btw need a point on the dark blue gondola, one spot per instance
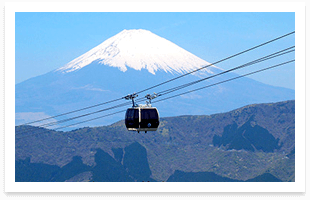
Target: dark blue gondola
(141, 117)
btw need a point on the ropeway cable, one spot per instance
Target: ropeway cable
(250, 49)
(273, 55)
(72, 124)
(85, 108)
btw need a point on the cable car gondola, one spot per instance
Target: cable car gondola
(141, 117)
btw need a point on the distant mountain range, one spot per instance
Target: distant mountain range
(128, 62)
(252, 143)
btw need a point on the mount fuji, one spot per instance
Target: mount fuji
(138, 49)
(128, 62)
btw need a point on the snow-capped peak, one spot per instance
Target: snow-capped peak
(138, 49)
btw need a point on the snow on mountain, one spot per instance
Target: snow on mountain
(138, 49)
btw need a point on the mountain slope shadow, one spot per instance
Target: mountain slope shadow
(39, 172)
(248, 137)
(70, 170)
(266, 177)
(34, 172)
(180, 176)
(107, 169)
(135, 165)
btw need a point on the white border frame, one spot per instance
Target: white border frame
(11, 8)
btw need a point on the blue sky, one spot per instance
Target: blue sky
(47, 41)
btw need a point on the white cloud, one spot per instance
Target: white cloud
(26, 117)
